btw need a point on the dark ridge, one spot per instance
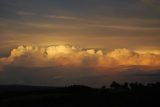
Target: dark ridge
(118, 95)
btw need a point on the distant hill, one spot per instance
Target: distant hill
(118, 95)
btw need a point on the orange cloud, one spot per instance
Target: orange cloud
(60, 55)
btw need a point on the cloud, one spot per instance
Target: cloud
(65, 65)
(30, 56)
(62, 17)
(141, 57)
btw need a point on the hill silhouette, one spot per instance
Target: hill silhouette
(118, 95)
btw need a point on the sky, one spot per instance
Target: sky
(90, 42)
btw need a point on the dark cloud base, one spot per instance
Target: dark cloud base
(64, 76)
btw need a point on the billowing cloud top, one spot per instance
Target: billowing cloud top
(30, 56)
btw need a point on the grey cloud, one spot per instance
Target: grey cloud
(63, 76)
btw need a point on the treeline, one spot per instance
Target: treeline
(133, 86)
(118, 95)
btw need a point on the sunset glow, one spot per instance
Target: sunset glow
(90, 42)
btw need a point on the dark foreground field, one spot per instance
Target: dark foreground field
(126, 95)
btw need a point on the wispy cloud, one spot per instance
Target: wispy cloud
(63, 17)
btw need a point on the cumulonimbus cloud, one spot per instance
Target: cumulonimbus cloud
(30, 56)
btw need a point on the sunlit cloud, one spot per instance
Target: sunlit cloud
(30, 56)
